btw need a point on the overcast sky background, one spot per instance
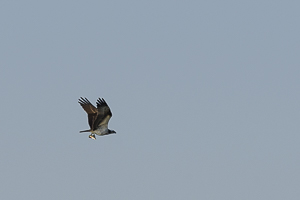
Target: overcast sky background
(204, 94)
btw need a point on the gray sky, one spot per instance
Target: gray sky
(204, 94)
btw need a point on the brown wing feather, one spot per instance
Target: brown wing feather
(104, 113)
(91, 110)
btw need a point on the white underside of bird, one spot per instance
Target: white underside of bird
(102, 130)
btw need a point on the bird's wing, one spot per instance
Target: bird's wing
(89, 109)
(104, 113)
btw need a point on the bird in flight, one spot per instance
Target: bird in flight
(98, 118)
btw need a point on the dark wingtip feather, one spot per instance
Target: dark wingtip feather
(83, 101)
(101, 102)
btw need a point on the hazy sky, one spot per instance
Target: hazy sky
(204, 94)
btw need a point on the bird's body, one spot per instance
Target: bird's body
(98, 118)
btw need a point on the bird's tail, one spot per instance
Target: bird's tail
(85, 131)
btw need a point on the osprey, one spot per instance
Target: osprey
(98, 118)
